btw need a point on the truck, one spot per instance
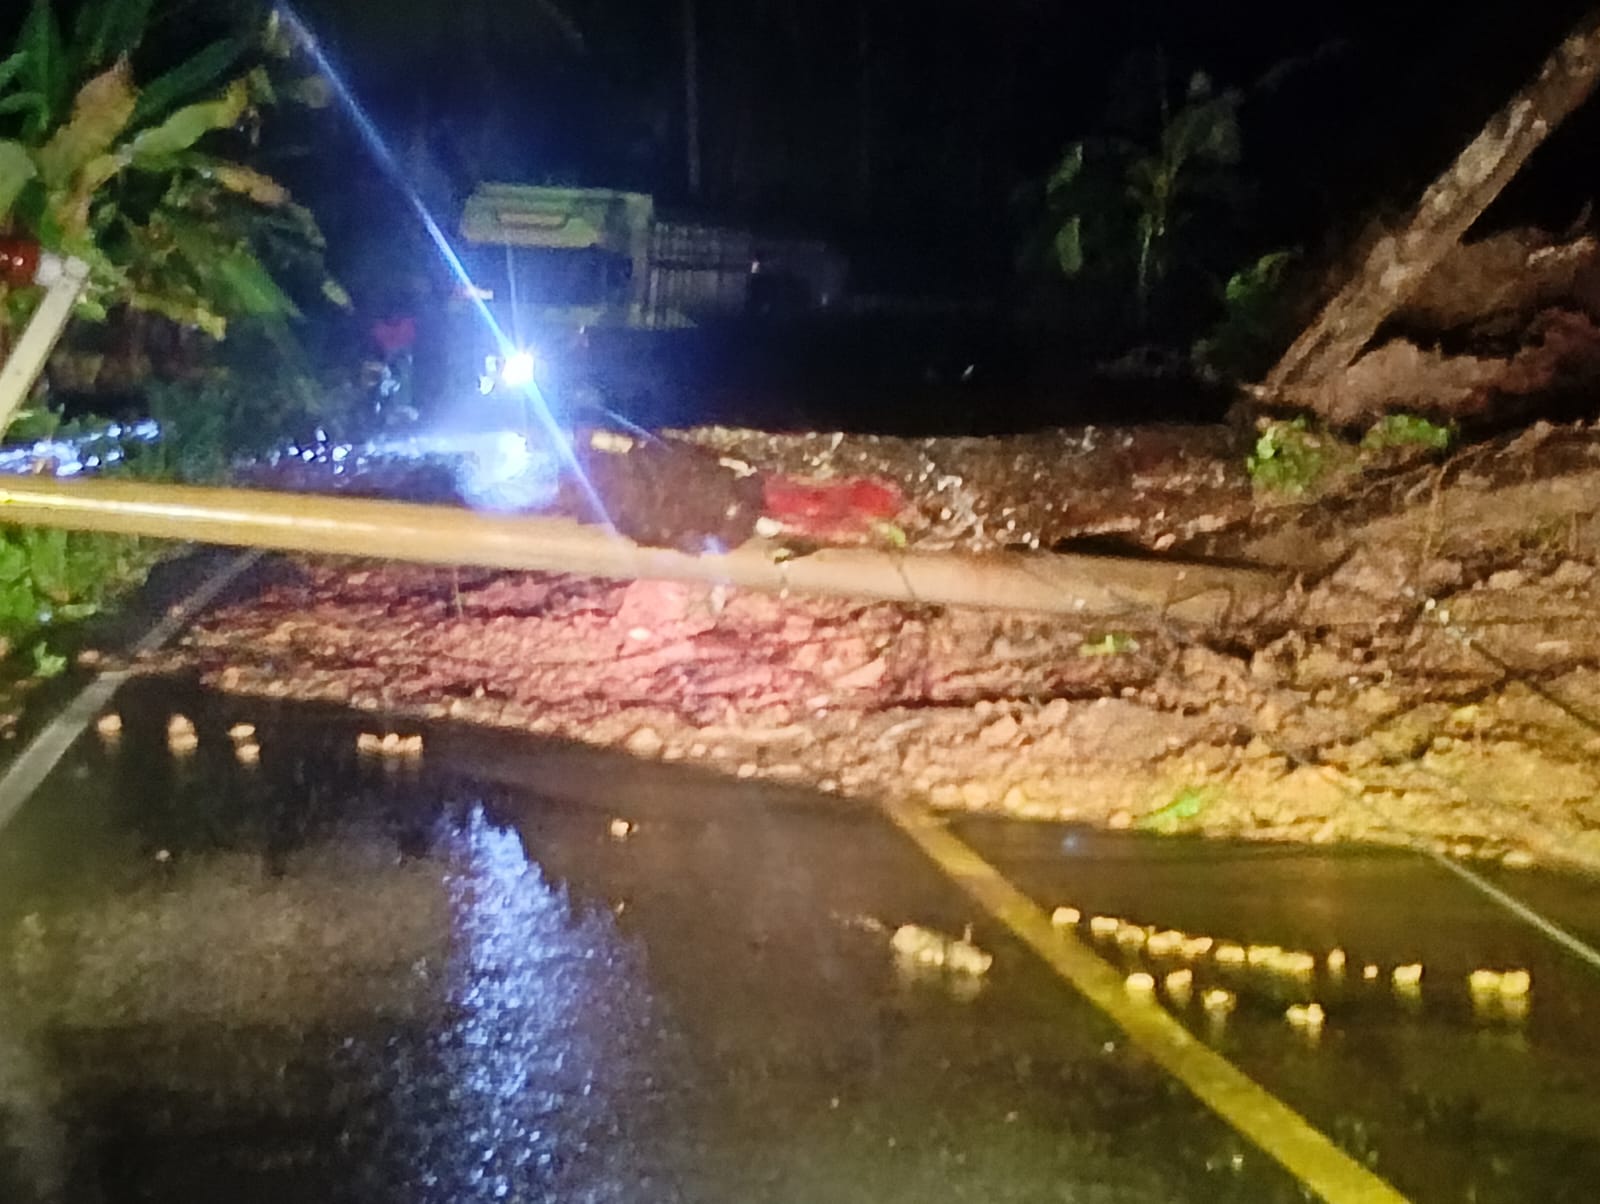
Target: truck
(579, 290)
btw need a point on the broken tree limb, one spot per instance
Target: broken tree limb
(1397, 265)
(1093, 586)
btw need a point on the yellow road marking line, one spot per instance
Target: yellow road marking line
(1255, 1112)
(28, 772)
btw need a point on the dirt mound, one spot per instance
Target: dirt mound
(1434, 674)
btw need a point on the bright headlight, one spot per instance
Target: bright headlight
(517, 370)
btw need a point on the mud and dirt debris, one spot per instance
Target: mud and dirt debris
(1435, 675)
(1502, 329)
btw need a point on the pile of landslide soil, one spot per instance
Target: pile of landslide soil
(1432, 674)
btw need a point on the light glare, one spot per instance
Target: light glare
(518, 370)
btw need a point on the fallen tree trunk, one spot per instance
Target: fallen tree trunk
(1396, 267)
(1035, 582)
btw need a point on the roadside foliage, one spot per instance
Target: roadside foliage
(126, 141)
(142, 174)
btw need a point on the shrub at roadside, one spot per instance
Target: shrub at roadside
(49, 578)
(136, 167)
(126, 130)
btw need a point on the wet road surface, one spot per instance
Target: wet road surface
(336, 977)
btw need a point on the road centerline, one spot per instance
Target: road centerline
(1269, 1123)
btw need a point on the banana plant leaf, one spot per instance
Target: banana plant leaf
(188, 125)
(45, 77)
(202, 70)
(16, 169)
(106, 30)
(100, 112)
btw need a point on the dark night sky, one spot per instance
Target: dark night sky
(959, 99)
(909, 123)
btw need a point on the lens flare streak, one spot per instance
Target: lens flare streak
(390, 164)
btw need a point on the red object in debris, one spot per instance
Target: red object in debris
(19, 261)
(849, 505)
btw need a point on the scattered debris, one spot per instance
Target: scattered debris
(1294, 964)
(1168, 943)
(645, 742)
(1510, 984)
(1308, 1016)
(1407, 978)
(241, 732)
(181, 737)
(666, 493)
(1104, 926)
(1066, 917)
(1102, 740)
(1501, 995)
(1140, 983)
(247, 752)
(621, 829)
(925, 947)
(1131, 938)
(1515, 983)
(1196, 947)
(390, 744)
(1219, 1002)
(1231, 955)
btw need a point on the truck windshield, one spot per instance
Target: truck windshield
(548, 276)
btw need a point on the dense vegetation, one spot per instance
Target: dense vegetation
(126, 140)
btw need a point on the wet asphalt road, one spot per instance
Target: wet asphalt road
(328, 978)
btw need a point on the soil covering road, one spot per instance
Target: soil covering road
(1431, 674)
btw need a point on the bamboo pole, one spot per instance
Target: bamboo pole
(1092, 586)
(63, 280)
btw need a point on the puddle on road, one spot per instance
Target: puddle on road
(329, 977)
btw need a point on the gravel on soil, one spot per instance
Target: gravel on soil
(1434, 675)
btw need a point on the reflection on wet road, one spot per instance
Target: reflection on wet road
(334, 977)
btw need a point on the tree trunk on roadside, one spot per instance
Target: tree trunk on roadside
(1398, 264)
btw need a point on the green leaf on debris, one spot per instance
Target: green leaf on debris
(1186, 805)
(1408, 430)
(1288, 457)
(891, 533)
(1113, 643)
